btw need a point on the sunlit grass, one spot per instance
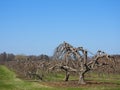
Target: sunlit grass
(8, 81)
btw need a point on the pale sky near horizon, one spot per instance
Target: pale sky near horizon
(34, 27)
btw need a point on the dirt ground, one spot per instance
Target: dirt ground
(75, 84)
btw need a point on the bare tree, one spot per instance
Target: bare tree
(75, 60)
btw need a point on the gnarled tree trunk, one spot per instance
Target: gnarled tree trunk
(81, 78)
(67, 74)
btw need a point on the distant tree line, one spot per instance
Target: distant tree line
(10, 57)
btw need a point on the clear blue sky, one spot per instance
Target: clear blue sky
(38, 26)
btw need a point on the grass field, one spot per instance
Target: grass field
(9, 81)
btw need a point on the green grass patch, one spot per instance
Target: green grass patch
(59, 76)
(8, 81)
(113, 78)
(6, 74)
